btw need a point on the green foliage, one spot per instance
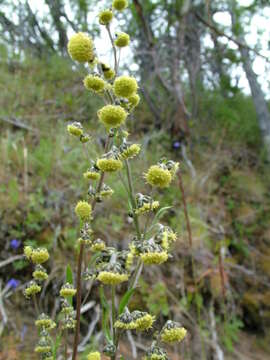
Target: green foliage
(234, 117)
(230, 332)
(156, 300)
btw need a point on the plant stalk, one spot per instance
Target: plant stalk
(79, 270)
(132, 199)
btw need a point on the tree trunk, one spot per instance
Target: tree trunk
(259, 101)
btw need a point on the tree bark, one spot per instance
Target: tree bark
(259, 101)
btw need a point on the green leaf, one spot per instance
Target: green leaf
(105, 314)
(69, 279)
(69, 275)
(125, 299)
(161, 212)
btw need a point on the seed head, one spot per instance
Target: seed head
(120, 5)
(94, 83)
(122, 40)
(75, 129)
(112, 115)
(94, 356)
(81, 48)
(83, 210)
(172, 332)
(109, 165)
(105, 17)
(125, 86)
(134, 100)
(158, 176)
(111, 278)
(67, 290)
(40, 255)
(154, 258)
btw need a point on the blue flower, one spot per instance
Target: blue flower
(13, 283)
(176, 145)
(15, 244)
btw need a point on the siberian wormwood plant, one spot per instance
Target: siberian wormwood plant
(151, 242)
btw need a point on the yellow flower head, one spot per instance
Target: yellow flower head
(125, 86)
(84, 138)
(143, 321)
(129, 261)
(154, 258)
(109, 165)
(120, 4)
(75, 129)
(112, 115)
(40, 255)
(172, 332)
(67, 290)
(122, 40)
(105, 17)
(107, 72)
(81, 48)
(131, 151)
(111, 278)
(28, 252)
(158, 176)
(106, 191)
(94, 356)
(44, 322)
(94, 83)
(91, 175)
(98, 245)
(83, 210)
(42, 349)
(151, 206)
(155, 353)
(125, 321)
(40, 273)
(134, 100)
(32, 289)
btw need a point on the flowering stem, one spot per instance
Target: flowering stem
(136, 275)
(79, 270)
(114, 49)
(79, 299)
(36, 304)
(113, 312)
(132, 199)
(66, 344)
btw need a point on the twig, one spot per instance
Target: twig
(11, 260)
(221, 33)
(91, 329)
(132, 344)
(17, 123)
(188, 161)
(218, 351)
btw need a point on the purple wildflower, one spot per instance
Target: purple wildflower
(15, 244)
(176, 145)
(13, 283)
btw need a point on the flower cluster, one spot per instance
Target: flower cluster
(37, 257)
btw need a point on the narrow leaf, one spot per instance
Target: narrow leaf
(125, 300)
(56, 345)
(105, 314)
(69, 280)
